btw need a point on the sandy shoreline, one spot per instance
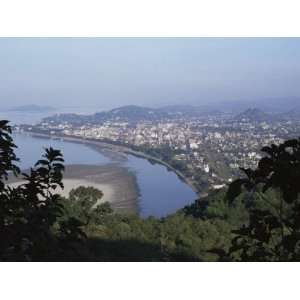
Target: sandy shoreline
(116, 182)
(69, 184)
(119, 150)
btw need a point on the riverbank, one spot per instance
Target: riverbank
(101, 146)
(117, 184)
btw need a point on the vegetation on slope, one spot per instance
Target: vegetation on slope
(257, 218)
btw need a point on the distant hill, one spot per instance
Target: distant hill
(32, 108)
(131, 113)
(190, 110)
(253, 115)
(134, 113)
(270, 105)
(182, 109)
(293, 114)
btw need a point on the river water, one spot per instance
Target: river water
(161, 191)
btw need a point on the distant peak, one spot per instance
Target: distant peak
(253, 114)
(130, 107)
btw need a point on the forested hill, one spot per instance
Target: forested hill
(253, 115)
(132, 113)
(123, 114)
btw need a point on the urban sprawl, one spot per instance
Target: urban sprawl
(208, 150)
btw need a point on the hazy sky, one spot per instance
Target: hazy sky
(109, 72)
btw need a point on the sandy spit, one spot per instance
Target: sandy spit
(116, 182)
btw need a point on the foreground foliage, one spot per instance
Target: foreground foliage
(29, 227)
(256, 219)
(272, 233)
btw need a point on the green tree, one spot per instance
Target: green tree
(29, 213)
(83, 204)
(273, 232)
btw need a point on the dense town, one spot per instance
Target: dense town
(209, 149)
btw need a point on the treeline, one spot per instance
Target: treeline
(256, 219)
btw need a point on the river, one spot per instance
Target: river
(161, 191)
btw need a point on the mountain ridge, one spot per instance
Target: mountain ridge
(32, 108)
(135, 113)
